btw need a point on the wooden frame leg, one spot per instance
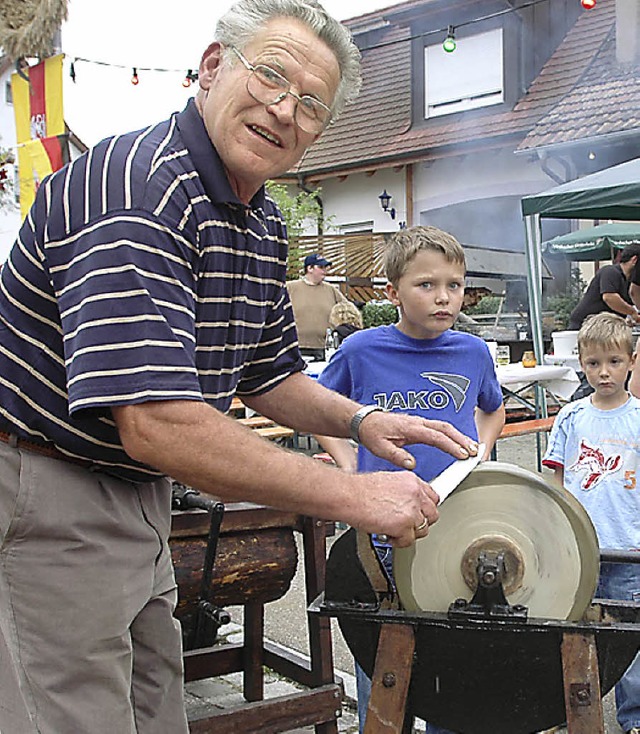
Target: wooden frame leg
(582, 695)
(391, 677)
(252, 653)
(314, 539)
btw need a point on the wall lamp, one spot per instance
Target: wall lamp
(385, 200)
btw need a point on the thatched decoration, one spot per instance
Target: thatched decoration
(28, 27)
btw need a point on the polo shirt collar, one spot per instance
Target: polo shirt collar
(206, 160)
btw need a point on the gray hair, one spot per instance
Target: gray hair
(238, 26)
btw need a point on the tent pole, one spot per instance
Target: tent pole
(533, 251)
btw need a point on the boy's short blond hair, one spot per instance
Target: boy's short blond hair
(607, 331)
(405, 244)
(345, 312)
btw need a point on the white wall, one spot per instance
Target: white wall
(476, 176)
(355, 199)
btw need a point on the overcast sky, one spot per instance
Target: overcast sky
(140, 33)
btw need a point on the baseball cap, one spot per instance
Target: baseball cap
(315, 259)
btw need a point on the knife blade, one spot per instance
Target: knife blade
(450, 478)
(455, 473)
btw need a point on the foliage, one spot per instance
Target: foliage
(562, 304)
(487, 304)
(376, 313)
(295, 210)
(6, 182)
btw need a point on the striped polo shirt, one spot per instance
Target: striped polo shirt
(138, 275)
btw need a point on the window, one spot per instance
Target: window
(8, 94)
(468, 78)
(357, 227)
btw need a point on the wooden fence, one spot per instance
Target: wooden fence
(357, 266)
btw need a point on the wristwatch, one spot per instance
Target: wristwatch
(358, 417)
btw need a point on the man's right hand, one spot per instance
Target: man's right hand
(394, 504)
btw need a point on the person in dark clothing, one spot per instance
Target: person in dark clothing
(609, 290)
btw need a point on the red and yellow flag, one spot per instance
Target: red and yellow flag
(40, 130)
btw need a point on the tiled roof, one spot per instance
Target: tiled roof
(377, 129)
(605, 101)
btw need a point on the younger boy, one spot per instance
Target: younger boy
(594, 450)
(419, 365)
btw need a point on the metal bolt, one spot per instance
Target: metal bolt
(338, 714)
(489, 577)
(389, 680)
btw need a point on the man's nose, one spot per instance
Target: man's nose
(284, 108)
(442, 294)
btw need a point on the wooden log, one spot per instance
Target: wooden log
(250, 566)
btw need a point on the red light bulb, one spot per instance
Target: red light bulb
(134, 77)
(588, 4)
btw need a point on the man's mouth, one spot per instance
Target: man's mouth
(263, 133)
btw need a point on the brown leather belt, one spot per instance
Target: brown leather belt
(40, 448)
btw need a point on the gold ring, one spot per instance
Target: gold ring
(422, 525)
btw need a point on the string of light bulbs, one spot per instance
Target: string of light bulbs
(190, 76)
(449, 45)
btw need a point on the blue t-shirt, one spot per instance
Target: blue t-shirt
(600, 453)
(444, 378)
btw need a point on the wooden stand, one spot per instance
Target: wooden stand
(321, 705)
(387, 712)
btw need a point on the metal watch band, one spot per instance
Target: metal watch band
(358, 417)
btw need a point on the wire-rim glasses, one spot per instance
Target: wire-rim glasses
(268, 87)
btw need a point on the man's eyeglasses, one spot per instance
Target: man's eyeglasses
(269, 87)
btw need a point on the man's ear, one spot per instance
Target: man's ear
(210, 64)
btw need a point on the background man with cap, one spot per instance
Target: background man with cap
(312, 300)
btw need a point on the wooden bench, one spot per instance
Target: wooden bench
(524, 428)
(535, 426)
(266, 428)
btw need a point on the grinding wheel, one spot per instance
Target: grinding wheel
(549, 544)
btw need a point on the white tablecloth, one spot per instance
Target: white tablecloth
(571, 361)
(558, 379)
(314, 369)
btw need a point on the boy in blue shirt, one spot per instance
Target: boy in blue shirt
(594, 450)
(419, 365)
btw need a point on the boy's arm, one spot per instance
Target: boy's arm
(489, 426)
(341, 450)
(558, 476)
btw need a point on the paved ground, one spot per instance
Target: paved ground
(286, 624)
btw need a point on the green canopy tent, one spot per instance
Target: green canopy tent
(594, 243)
(613, 193)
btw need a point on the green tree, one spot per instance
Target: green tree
(562, 304)
(6, 182)
(296, 210)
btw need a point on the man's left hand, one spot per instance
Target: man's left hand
(384, 434)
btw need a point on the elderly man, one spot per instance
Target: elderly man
(145, 289)
(312, 300)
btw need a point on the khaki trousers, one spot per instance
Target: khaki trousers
(88, 642)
